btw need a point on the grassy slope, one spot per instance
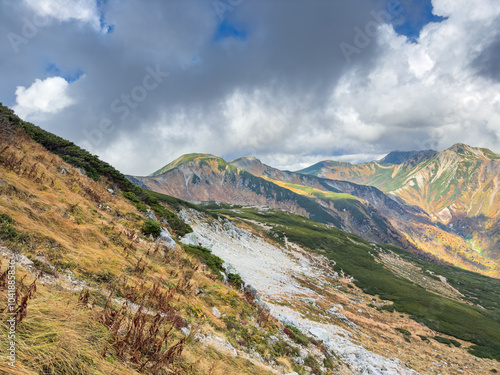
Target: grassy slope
(68, 222)
(189, 158)
(357, 257)
(97, 169)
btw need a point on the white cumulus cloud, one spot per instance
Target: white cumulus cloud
(67, 10)
(43, 96)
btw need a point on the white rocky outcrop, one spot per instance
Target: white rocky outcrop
(272, 271)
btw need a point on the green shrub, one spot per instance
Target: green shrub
(7, 231)
(404, 331)
(205, 256)
(151, 227)
(389, 308)
(235, 280)
(449, 342)
(6, 219)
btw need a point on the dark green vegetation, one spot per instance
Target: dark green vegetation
(151, 227)
(404, 331)
(7, 230)
(446, 341)
(205, 256)
(235, 280)
(356, 257)
(97, 169)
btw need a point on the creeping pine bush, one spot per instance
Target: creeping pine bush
(151, 227)
(7, 231)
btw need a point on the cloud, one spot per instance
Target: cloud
(265, 78)
(67, 10)
(49, 96)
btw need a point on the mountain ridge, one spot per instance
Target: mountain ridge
(329, 293)
(457, 187)
(348, 204)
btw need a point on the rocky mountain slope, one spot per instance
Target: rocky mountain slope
(457, 188)
(340, 289)
(104, 284)
(113, 279)
(200, 177)
(359, 209)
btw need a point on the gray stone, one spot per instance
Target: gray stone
(216, 312)
(167, 239)
(151, 215)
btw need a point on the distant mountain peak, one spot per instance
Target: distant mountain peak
(478, 152)
(461, 148)
(187, 159)
(250, 158)
(250, 164)
(401, 157)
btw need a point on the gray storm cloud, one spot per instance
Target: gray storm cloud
(291, 82)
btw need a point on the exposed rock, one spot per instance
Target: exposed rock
(229, 268)
(194, 240)
(20, 259)
(216, 312)
(151, 215)
(271, 273)
(167, 239)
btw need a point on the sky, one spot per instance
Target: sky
(292, 82)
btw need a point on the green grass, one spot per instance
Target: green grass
(446, 341)
(404, 331)
(151, 227)
(357, 258)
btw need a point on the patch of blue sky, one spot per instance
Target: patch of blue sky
(227, 30)
(414, 15)
(70, 76)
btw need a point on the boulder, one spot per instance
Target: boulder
(167, 239)
(216, 312)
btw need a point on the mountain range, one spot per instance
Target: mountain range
(115, 278)
(440, 205)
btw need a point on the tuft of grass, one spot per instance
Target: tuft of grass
(296, 335)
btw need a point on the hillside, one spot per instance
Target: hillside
(457, 188)
(423, 236)
(222, 290)
(204, 178)
(441, 298)
(101, 292)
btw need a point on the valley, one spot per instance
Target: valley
(224, 288)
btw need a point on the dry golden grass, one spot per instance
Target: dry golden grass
(73, 223)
